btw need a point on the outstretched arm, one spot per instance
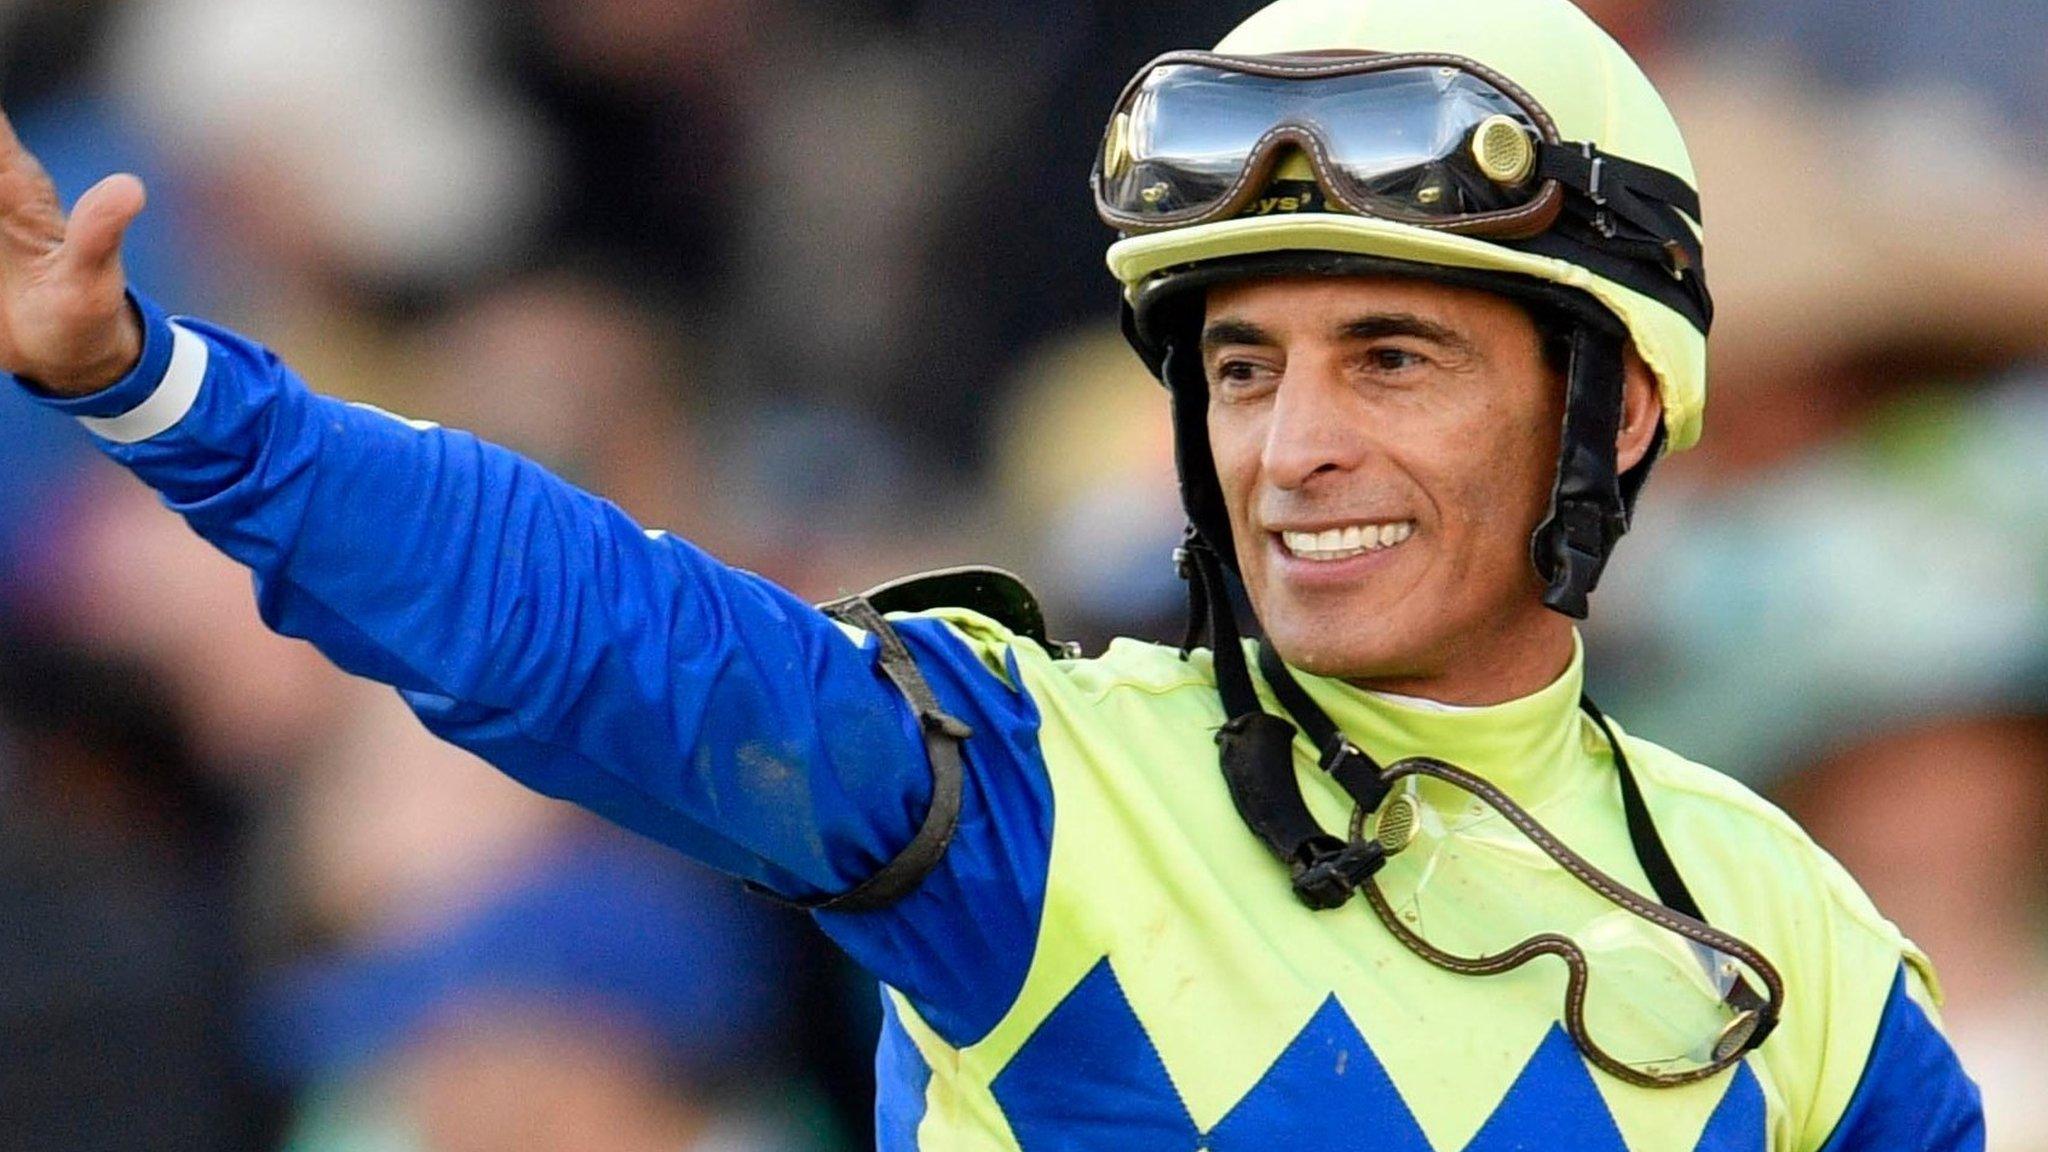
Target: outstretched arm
(525, 619)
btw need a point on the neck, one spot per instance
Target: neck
(1516, 661)
(1529, 744)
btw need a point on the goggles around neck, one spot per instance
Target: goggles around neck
(1472, 883)
(1653, 996)
(1432, 140)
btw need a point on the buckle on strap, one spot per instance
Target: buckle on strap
(1354, 771)
(1334, 870)
(1597, 165)
(1589, 527)
(1580, 167)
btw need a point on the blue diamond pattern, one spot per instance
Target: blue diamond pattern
(1737, 1124)
(1326, 1091)
(1552, 1104)
(1090, 1078)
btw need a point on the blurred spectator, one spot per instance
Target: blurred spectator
(448, 829)
(1884, 578)
(569, 367)
(119, 977)
(929, 217)
(1991, 53)
(652, 102)
(1834, 218)
(135, 582)
(603, 996)
(583, 376)
(1949, 820)
(1863, 535)
(359, 140)
(1084, 478)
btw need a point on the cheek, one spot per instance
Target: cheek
(1492, 491)
(1234, 451)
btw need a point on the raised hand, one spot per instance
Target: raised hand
(65, 323)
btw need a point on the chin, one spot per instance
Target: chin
(1362, 645)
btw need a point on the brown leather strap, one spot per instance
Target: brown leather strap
(943, 736)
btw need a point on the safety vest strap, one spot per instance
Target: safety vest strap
(1002, 597)
(943, 736)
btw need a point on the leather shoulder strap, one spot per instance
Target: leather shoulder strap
(943, 737)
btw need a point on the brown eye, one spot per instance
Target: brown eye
(1392, 359)
(1239, 377)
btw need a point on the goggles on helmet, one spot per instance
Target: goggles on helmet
(1653, 996)
(1432, 140)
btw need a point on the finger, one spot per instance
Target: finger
(9, 142)
(25, 190)
(92, 241)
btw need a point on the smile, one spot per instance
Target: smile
(1348, 541)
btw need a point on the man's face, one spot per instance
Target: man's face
(1385, 448)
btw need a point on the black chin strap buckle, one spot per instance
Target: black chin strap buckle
(1188, 563)
(1333, 870)
(1588, 510)
(1582, 536)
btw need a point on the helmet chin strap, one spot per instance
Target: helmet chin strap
(1254, 746)
(1590, 501)
(1588, 513)
(1589, 510)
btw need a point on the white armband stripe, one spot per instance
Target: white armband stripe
(409, 422)
(174, 396)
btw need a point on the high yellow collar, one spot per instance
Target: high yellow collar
(1530, 746)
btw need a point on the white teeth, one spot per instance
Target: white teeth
(1351, 540)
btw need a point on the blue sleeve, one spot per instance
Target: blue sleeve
(1914, 1095)
(531, 622)
(960, 945)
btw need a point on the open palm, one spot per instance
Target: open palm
(64, 318)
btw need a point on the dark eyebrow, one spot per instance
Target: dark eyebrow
(1404, 324)
(1223, 333)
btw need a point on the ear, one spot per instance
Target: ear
(1642, 410)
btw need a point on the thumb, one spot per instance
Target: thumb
(92, 240)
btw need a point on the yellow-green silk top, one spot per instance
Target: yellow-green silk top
(1177, 994)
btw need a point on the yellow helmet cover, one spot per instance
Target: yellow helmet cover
(1590, 87)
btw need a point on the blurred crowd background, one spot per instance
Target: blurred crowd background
(818, 284)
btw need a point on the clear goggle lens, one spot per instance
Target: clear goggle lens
(1472, 883)
(1424, 142)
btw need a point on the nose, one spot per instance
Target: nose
(1315, 429)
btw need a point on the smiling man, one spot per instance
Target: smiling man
(1424, 282)
(1386, 493)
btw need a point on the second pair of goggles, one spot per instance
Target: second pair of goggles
(1471, 882)
(1436, 141)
